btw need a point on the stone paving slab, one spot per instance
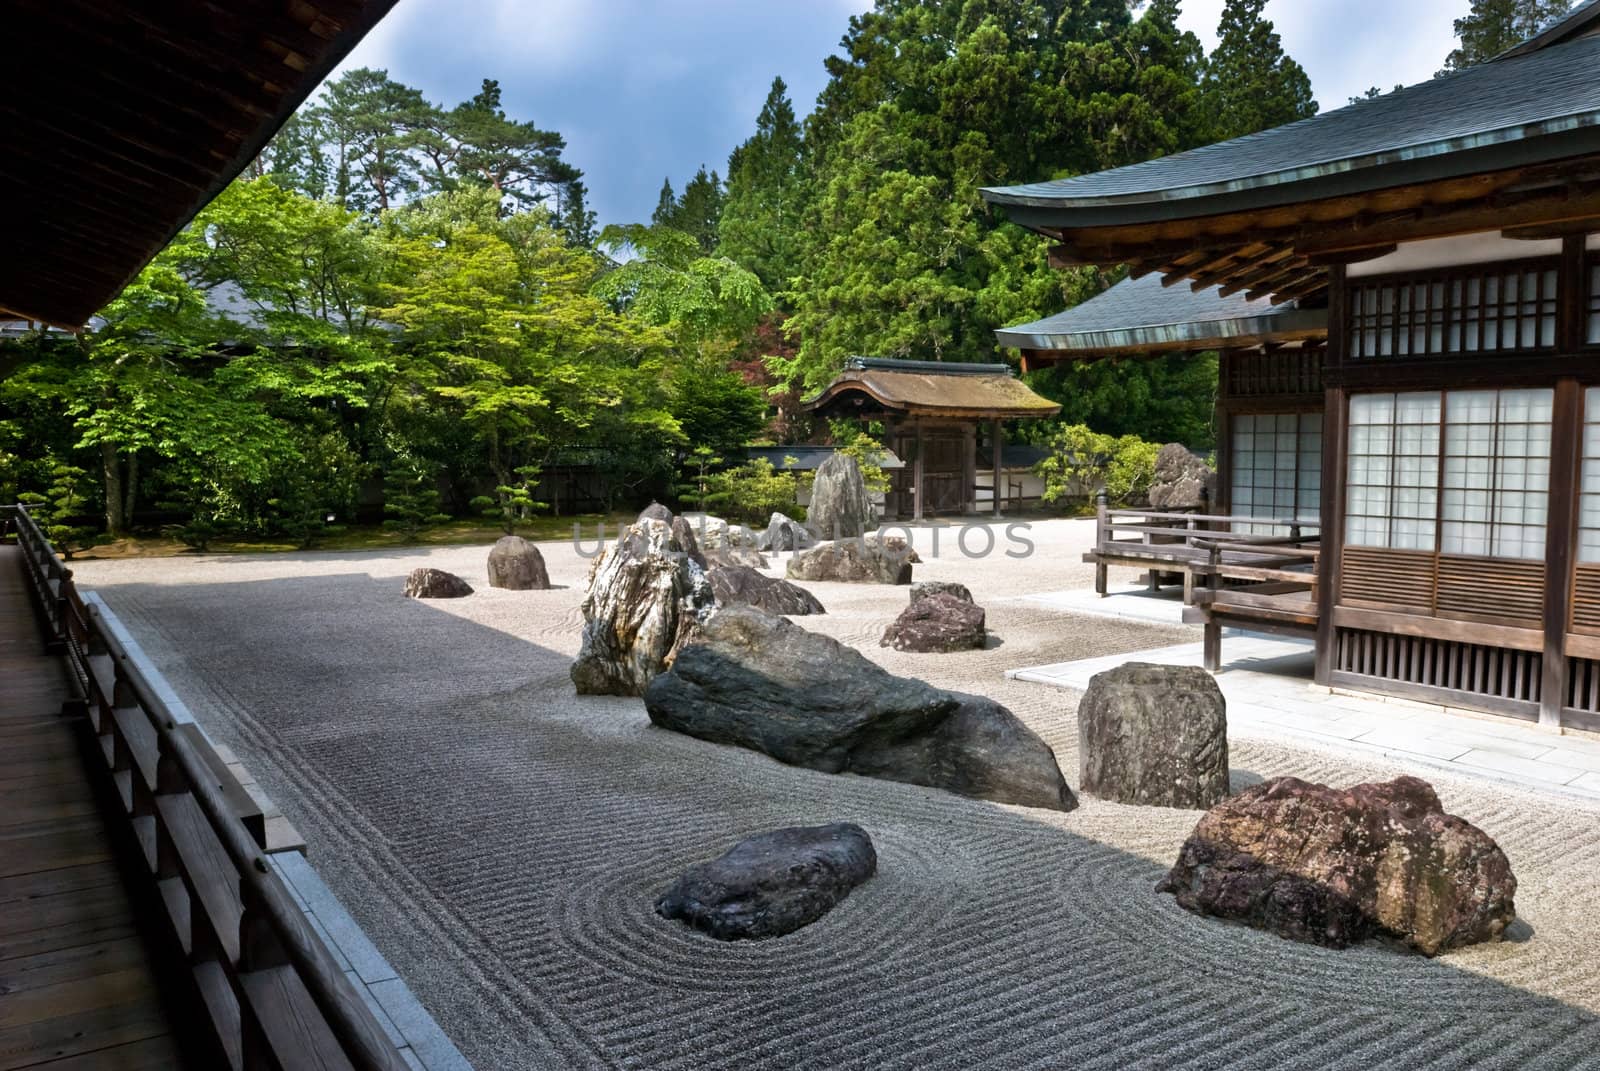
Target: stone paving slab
(1267, 682)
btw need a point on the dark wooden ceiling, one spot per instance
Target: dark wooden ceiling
(1284, 252)
(122, 118)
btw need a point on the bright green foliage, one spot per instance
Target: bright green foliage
(1083, 461)
(411, 497)
(766, 189)
(698, 479)
(58, 509)
(663, 279)
(1492, 26)
(752, 492)
(715, 407)
(1250, 83)
(319, 489)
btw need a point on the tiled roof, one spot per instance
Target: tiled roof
(1516, 110)
(935, 389)
(1141, 314)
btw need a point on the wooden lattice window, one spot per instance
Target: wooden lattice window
(1479, 489)
(1392, 489)
(1592, 332)
(1589, 485)
(1276, 467)
(1472, 310)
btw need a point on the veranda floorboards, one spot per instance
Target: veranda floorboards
(77, 990)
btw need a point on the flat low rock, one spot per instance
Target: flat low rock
(937, 623)
(772, 883)
(516, 565)
(1337, 866)
(923, 588)
(428, 583)
(758, 681)
(1154, 735)
(852, 561)
(739, 585)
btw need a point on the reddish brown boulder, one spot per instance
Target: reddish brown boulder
(1334, 867)
(936, 623)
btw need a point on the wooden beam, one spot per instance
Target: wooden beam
(1449, 222)
(1288, 274)
(1251, 257)
(1539, 232)
(1351, 256)
(1267, 270)
(1303, 287)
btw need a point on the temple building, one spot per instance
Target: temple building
(933, 413)
(1445, 429)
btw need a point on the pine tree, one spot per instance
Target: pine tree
(666, 205)
(369, 118)
(1250, 83)
(1492, 26)
(761, 209)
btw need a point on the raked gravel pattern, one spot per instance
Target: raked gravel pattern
(502, 842)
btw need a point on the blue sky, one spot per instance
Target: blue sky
(643, 89)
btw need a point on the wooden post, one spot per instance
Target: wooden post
(1335, 423)
(1102, 536)
(916, 478)
(1566, 440)
(969, 469)
(999, 445)
(1211, 642)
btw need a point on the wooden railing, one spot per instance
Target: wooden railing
(1183, 542)
(273, 996)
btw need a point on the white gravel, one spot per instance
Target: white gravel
(502, 842)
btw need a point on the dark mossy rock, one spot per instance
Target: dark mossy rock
(435, 584)
(740, 585)
(759, 681)
(773, 883)
(1154, 735)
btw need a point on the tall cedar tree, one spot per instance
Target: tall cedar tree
(766, 189)
(1492, 26)
(928, 103)
(1250, 84)
(696, 212)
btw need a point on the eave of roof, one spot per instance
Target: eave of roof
(1143, 316)
(935, 390)
(125, 119)
(1532, 108)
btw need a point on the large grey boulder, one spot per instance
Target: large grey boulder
(853, 561)
(923, 588)
(1334, 867)
(683, 533)
(655, 511)
(722, 543)
(936, 624)
(1154, 735)
(784, 534)
(840, 506)
(516, 565)
(646, 598)
(739, 585)
(1183, 481)
(428, 583)
(759, 681)
(773, 883)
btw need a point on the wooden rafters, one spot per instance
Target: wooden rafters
(1284, 252)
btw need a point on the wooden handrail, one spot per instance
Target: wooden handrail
(272, 932)
(1213, 518)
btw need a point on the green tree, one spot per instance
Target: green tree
(1492, 26)
(60, 507)
(760, 218)
(411, 497)
(370, 119)
(695, 212)
(1250, 83)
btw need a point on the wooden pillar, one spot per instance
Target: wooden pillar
(999, 445)
(969, 469)
(1335, 432)
(1566, 435)
(916, 477)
